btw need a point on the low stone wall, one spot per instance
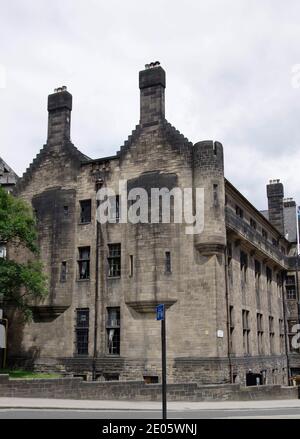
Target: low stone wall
(76, 388)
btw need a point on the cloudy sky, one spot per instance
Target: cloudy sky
(229, 78)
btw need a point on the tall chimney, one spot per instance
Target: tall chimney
(275, 195)
(59, 120)
(152, 82)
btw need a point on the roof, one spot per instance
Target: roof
(7, 175)
(259, 213)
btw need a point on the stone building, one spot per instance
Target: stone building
(8, 178)
(223, 287)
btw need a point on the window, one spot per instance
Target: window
(114, 209)
(151, 379)
(275, 242)
(82, 331)
(229, 261)
(168, 268)
(215, 195)
(246, 331)
(231, 323)
(113, 330)
(269, 275)
(290, 293)
(290, 286)
(239, 212)
(63, 271)
(111, 376)
(114, 260)
(264, 233)
(130, 265)
(257, 268)
(243, 267)
(84, 262)
(253, 223)
(85, 211)
(281, 335)
(272, 334)
(291, 334)
(3, 251)
(260, 333)
(66, 210)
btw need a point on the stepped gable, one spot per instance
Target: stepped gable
(71, 150)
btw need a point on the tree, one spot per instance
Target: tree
(20, 282)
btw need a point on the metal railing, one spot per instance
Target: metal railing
(242, 227)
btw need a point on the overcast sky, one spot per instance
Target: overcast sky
(228, 66)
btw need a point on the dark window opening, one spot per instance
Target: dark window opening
(253, 224)
(229, 262)
(239, 212)
(63, 271)
(243, 267)
(150, 379)
(281, 335)
(257, 268)
(111, 376)
(113, 330)
(269, 274)
(260, 332)
(272, 334)
(168, 268)
(82, 331)
(215, 195)
(264, 233)
(130, 265)
(246, 331)
(232, 326)
(85, 211)
(84, 262)
(114, 260)
(66, 210)
(83, 376)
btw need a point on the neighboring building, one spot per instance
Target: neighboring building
(8, 178)
(224, 287)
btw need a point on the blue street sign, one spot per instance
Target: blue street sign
(160, 312)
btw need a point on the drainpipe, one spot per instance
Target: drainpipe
(98, 185)
(285, 328)
(228, 315)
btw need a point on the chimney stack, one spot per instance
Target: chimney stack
(152, 83)
(275, 195)
(59, 120)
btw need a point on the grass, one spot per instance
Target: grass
(26, 374)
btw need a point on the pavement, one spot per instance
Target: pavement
(72, 404)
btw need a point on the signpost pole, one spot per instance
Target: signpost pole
(161, 315)
(164, 367)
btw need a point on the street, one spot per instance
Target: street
(230, 413)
